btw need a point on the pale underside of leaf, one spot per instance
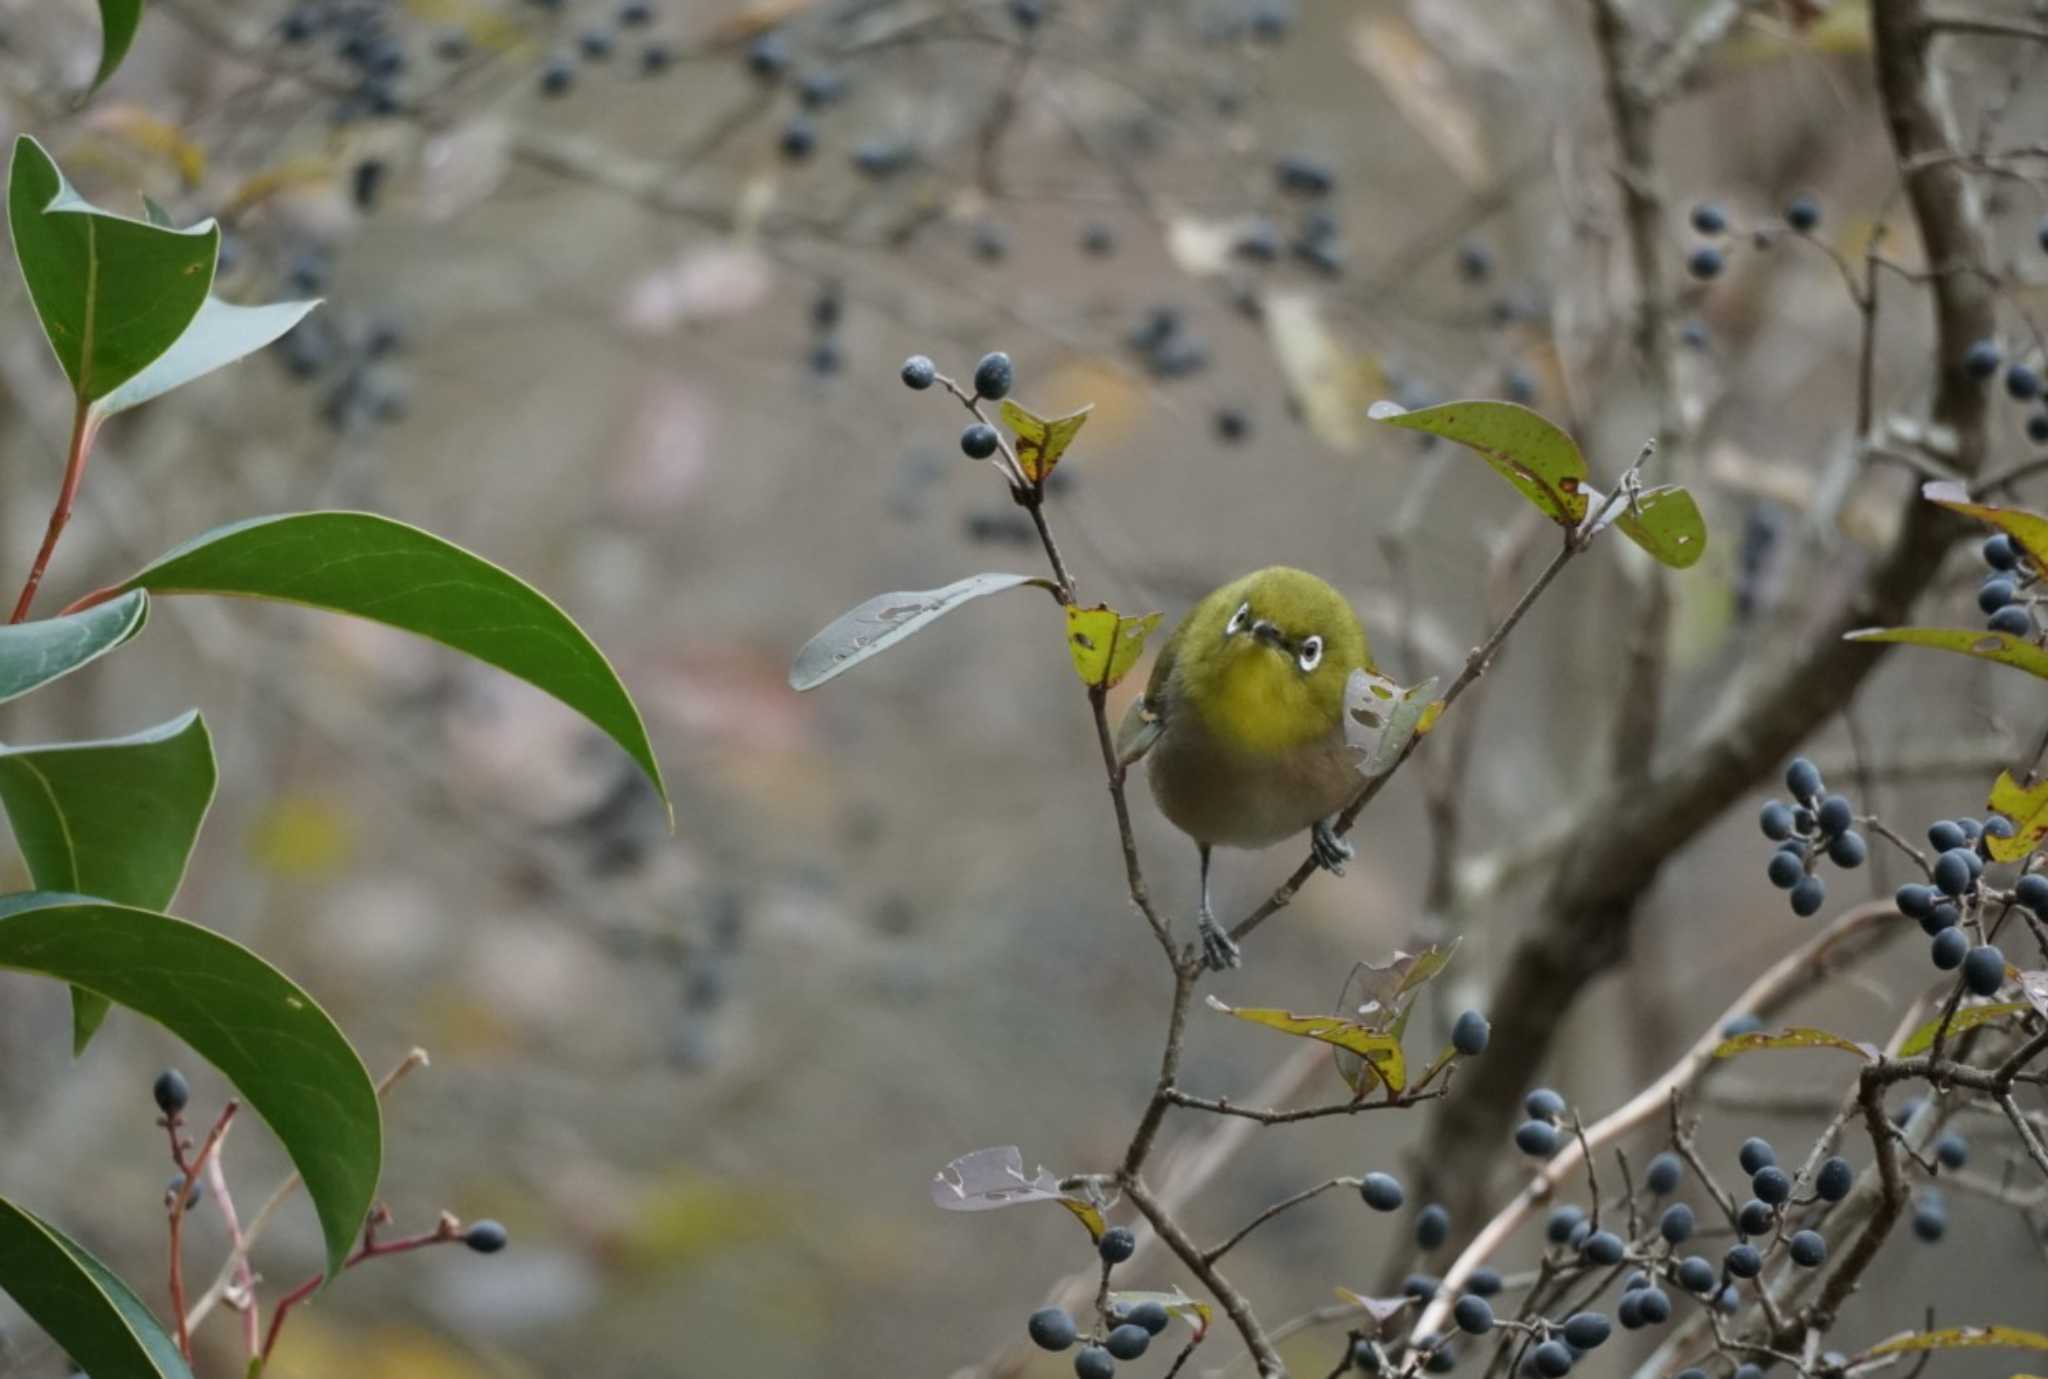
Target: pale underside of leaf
(887, 619)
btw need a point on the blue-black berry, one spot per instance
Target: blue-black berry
(1835, 814)
(1802, 213)
(1994, 593)
(1473, 1315)
(1432, 1226)
(1653, 1305)
(1537, 1137)
(1952, 872)
(171, 1091)
(1930, 1217)
(799, 139)
(1771, 1184)
(2022, 383)
(994, 375)
(1127, 1342)
(1944, 834)
(1051, 1328)
(1709, 219)
(1482, 1283)
(1802, 778)
(1696, 1275)
(1776, 822)
(1544, 1104)
(1562, 1222)
(556, 77)
(1754, 1217)
(485, 1237)
(919, 372)
(979, 441)
(1755, 1153)
(1949, 949)
(1664, 1173)
(1381, 1191)
(2031, 891)
(2013, 620)
(1808, 896)
(1552, 1359)
(1999, 552)
(1834, 1179)
(1470, 1033)
(1981, 360)
(2037, 428)
(1952, 1150)
(1117, 1244)
(1604, 1247)
(1847, 849)
(1743, 1261)
(1093, 1362)
(1150, 1314)
(1676, 1224)
(768, 56)
(1586, 1330)
(1785, 870)
(1984, 970)
(1705, 263)
(1421, 1286)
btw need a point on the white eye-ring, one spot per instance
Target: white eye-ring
(1238, 620)
(1311, 654)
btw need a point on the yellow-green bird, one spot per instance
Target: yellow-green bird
(1243, 722)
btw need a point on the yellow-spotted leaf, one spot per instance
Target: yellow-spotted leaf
(1798, 1037)
(2001, 647)
(1969, 1017)
(1193, 1311)
(1523, 446)
(1381, 1050)
(1666, 522)
(2028, 530)
(1381, 718)
(1960, 1338)
(989, 1179)
(1042, 440)
(1105, 644)
(2028, 810)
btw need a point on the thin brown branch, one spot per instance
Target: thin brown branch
(1227, 1297)
(1216, 1252)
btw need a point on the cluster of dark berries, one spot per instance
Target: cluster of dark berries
(1705, 262)
(827, 309)
(1166, 348)
(1815, 825)
(368, 387)
(1131, 1325)
(1982, 361)
(1956, 896)
(2008, 592)
(1540, 1134)
(596, 46)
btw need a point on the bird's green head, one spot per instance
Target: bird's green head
(1264, 659)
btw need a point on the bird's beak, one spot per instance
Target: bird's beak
(1269, 635)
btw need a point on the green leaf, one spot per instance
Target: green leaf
(2028, 530)
(118, 21)
(1666, 522)
(34, 653)
(1961, 1338)
(1968, 1017)
(389, 572)
(887, 619)
(219, 335)
(282, 1052)
(1042, 440)
(93, 1316)
(1382, 1051)
(989, 1179)
(1105, 644)
(113, 819)
(1523, 446)
(112, 293)
(2001, 647)
(1798, 1037)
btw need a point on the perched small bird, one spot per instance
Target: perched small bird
(1243, 722)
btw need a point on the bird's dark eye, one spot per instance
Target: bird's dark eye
(1311, 653)
(1239, 620)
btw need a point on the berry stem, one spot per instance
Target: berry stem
(181, 1192)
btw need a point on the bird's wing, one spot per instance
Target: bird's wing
(1145, 720)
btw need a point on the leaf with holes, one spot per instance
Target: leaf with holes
(989, 1179)
(1523, 446)
(95, 1318)
(2028, 530)
(1381, 718)
(887, 619)
(395, 574)
(119, 19)
(1960, 1338)
(1105, 644)
(1381, 1050)
(113, 294)
(1193, 1311)
(33, 654)
(114, 819)
(1666, 522)
(282, 1052)
(1968, 1017)
(1798, 1037)
(2001, 647)
(1042, 440)
(2028, 810)
(1380, 997)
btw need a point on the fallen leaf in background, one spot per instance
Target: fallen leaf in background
(707, 283)
(1202, 247)
(138, 128)
(1333, 385)
(303, 837)
(1423, 89)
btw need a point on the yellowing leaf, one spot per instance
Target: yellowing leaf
(2027, 529)
(1969, 1017)
(2001, 647)
(137, 127)
(312, 170)
(1798, 1037)
(1523, 446)
(1041, 440)
(1960, 1338)
(2028, 810)
(1382, 1051)
(1105, 644)
(1331, 382)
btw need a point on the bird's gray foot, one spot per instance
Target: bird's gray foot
(1219, 953)
(1331, 852)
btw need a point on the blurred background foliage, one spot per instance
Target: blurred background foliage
(616, 297)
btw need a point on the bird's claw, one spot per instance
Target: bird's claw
(1219, 953)
(1331, 852)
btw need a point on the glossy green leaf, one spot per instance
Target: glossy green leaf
(1666, 522)
(93, 1316)
(112, 293)
(119, 20)
(219, 335)
(887, 619)
(282, 1052)
(1798, 1037)
(34, 653)
(1966, 1018)
(989, 1179)
(111, 819)
(389, 572)
(1523, 446)
(2001, 647)
(2028, 530)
